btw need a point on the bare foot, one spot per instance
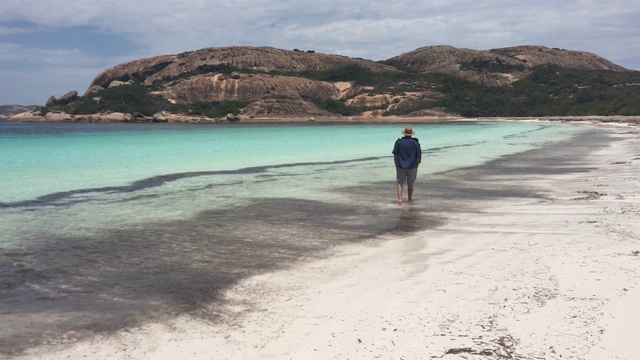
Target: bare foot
(399, 201)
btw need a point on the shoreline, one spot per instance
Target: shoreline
(400, 119)
(184, 119)
(553, 276)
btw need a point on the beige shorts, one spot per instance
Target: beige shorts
(406, 175)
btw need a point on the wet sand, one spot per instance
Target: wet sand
(539, 258)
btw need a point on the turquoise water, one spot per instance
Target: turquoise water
(42, 162)
(99, 221)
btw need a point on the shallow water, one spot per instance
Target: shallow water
(107, 225)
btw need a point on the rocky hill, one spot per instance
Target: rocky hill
(211, 60)
(7, 111)
(262, 82)
(498, 67)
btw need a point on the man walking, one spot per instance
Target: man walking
(406, 155)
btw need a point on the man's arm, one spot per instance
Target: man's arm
(395, 152)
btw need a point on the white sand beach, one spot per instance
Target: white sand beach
(557, 278)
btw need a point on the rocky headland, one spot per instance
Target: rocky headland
(268, 84)
(7, 111)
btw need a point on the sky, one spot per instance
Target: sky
(49, 47)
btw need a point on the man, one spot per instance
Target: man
(406, 155)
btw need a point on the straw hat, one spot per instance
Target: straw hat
(408, 131)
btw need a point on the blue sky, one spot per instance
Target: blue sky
(48, 47)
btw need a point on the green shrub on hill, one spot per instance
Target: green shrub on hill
(214, 109)
(224, 68)
(355, 73)
(137, 99)
(381, 82)
(337, 107)
(552, 91)
(491, 66)
(341, 108)
(398, 65)
(548, 91)
(126, 99)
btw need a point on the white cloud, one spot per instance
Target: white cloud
(31, 75)
(35, 87)
(56, 57)
(13, 30)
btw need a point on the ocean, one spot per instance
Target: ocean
(104, 226)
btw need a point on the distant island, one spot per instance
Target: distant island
(264, 83)
(10, 110)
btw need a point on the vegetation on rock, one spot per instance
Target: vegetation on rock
(214, 82)
(138, 99)
(125, 99)
(214, 109)
(551, 91)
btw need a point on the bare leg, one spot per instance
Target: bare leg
(410, 190)
(400, 193)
